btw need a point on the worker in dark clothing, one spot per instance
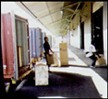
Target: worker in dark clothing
(47, 49)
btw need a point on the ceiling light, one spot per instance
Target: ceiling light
(61, 12)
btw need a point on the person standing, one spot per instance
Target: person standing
(47, 49)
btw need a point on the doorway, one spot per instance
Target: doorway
(82, 35)
(97, 29)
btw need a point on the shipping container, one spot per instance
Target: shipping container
(22, 42)
(39, 40)
(7, 45)
(36, 42)
(15, 45)
(32, 35)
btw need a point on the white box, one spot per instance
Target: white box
(41, 74)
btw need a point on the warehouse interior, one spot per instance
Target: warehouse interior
(71, 23)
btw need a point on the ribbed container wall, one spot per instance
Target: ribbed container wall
(22, 45)
(32, 35)
(22, 40)
(43, 35)
(25, 44)
(7, 44)
(19, 38)
(41, 45)
(38, 43)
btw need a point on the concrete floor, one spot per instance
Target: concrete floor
(77, 63)
(78, 66)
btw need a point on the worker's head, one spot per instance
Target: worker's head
(46, 39)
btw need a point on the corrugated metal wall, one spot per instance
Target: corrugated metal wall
(22, 39)
(7, 43)
(38, 39)
(25, 45)
(32, 35)
(36, 42)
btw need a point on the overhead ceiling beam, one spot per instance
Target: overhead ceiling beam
(64, 18)
(75, 10)
(49, 11)
(56, 29)
(21, 4)
(64, 8)
(55, 22)
(71, 5)
(69, 9)
(49, 14)
(66, 25)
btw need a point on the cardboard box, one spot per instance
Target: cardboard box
(63, 53)
(100, 61)
(50, 59)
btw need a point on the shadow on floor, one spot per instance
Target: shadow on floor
(60, 84)
(102, 70)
